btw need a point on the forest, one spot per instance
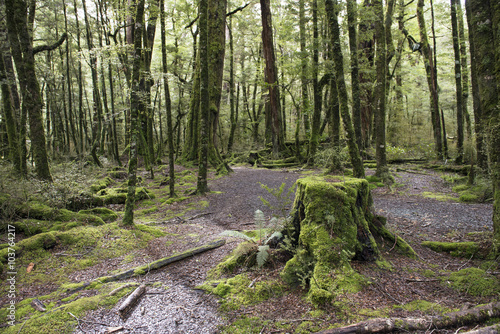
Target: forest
(107, 105)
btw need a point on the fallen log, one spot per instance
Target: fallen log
(144, 269)
(131, 300)
(454, 319)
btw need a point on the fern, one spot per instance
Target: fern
(262, 255)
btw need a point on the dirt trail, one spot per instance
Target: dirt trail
(172, 305)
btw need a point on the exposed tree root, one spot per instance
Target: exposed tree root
(454, 319)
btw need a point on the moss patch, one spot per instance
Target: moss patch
(474, 281)
(461, 249)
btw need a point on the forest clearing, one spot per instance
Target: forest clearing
(215, 166)
(69, 276)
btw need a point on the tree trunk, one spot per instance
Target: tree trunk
(128, 217)
(168, 104)
(458, 83)
(305, 103)
(379, 93)
(357, 163)
(21, 44)
(202, 184)
(271, 75)
(353, 48)
(431, 81)
(465, 69)
(316, 119)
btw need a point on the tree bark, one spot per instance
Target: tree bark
(21, 44)
(431, 81)
(458, 82)
(332, 12)
(353, 47)
(168, 104)
(271, 75)
(128, 217)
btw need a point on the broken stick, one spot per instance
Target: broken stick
(131, 300)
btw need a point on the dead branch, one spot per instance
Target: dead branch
(131, 300)
(115, 291)
(454, 319)
(141, 270)
(38, 305)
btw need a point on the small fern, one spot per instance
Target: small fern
(262, 255)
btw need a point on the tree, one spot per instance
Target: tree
(431, 80)
(380, 88)
(24, 57)
(458, 82)
(484, 26)
(271, 76)
(135, 105)
(332, 12)
(168, 103)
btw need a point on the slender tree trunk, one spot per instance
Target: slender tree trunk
(465, 69)
(128, 217)
(431, 80)
(168, 103)
(271, 75)
(458, 83)
(316, 119)
(202, 184)
(332, 12)
(379, 93)
(305, 103)
(30, 89)
(96, 95)
(232, 116)
(353, 47)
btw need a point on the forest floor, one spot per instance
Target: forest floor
(414, 287)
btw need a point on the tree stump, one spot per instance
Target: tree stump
(333, 224)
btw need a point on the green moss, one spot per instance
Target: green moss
(237, 291)
(463, 249)
(154, 231)
(176, 199)
(119, 195)
(105, 214)
(425, 307)
(58, 319)
(468, 197)
(246, 325)
(240, 256)
(474, 281)
(101, 184)
(438, 196)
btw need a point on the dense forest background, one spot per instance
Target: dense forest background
(315, 82)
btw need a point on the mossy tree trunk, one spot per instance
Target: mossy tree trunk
(484, 27)
(352, 19)
(316, 119)
(22, 52)
(305, 104)
(128, 218)
(332, 12)
(202, 184)
(458, 82)
(333, 225)
(168, 103)
(431, 80)
(380, 90)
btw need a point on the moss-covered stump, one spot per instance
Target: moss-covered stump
(333, 224)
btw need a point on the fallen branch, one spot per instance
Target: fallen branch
(453, 319)
(38, 305)
(115, 291)
(199, 215)
(131, 300)
(144, 269)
